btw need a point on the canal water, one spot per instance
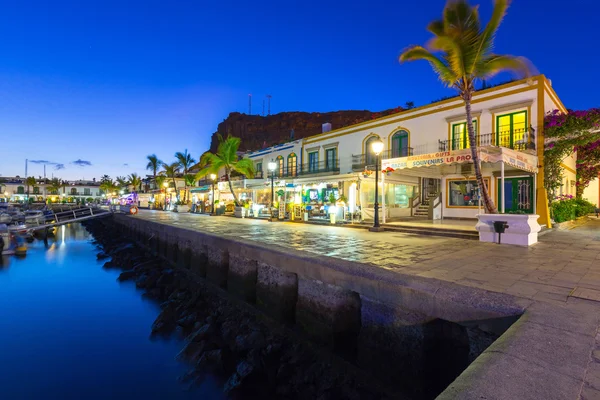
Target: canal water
(69, 330)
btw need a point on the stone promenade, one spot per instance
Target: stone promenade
(554, 349)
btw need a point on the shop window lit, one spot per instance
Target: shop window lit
(460, 135)
(291, 164)
(280, 166)
(463, 193)
(401, 195)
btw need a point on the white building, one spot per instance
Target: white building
(428, 149)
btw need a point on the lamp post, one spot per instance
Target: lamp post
(377, 147)
(271, 166)
(213, 177)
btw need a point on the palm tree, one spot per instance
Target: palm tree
(136, 182)
(185, 161)
(171, 171)
(30, 181)
(122, 182)
(159, 180)
(465, 57)
(226, 158)
(153, 165)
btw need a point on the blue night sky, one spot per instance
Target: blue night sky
(108, 82)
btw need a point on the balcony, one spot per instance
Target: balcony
(319, 168)
(361, 162)
(519, 139)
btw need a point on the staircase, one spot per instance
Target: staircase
(422, 209)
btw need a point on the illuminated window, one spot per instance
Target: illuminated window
(280, 165)
(292, 164)
(460, 135)
(371, 158)
(463, 192)
(511, 129)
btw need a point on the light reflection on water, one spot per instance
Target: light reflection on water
(68, 330)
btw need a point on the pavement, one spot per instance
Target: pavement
(556, 342)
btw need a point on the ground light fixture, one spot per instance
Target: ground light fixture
(271, 166)
(377, 147)
(213, 178)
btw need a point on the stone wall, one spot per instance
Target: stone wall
(400, 327)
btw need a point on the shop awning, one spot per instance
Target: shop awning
(516, 159)
(201, 189)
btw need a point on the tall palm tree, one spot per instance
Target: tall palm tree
(136, 182)
(226, 158)
(186, 161)
(30, 181)
(171, 171)
(465, 56)
(153, 165)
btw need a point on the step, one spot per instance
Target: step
(445, 232)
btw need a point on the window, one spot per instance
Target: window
(36, 190)
(330, 159)
(73, 190)
(511, 129)
(370, 157)
(291, 164)
(86, 191)
(258, 169)
(463, 192)
(20, 190)
(460, 135)
(280, 165)
(400, 144)
(313, 161)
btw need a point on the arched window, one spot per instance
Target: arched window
(292, 164)
(73, 190)
(280, 165)
(370, 157)
(400, 144)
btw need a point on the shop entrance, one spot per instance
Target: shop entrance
(430, 188)
(518, 194)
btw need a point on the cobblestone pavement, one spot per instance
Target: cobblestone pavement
(563, 264)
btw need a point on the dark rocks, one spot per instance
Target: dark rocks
(102, 256)
(211, 360)
(110, 264)
(165, 322)
(126, 275)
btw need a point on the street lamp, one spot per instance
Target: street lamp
(213, 178)
(165, 185)
(377, 147)
(271, 166)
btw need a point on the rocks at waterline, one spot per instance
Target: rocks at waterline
(253, 359)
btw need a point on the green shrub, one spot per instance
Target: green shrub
(569, 209)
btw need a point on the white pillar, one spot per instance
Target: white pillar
(534, 197)
(383, 196)
(502, 186)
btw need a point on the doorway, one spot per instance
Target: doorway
(518, 194)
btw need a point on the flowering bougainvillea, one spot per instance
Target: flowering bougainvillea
(565, 134)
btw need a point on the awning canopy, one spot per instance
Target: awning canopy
(491, 154)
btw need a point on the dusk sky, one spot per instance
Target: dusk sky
(108, 82)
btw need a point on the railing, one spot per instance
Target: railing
(414, 203)
(435, 207)
(320, 167)
(368, 161)
(519, 139)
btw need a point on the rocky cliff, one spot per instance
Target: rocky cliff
(257, 132)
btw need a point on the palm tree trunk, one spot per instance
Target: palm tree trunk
(235, 200)
(490, 207)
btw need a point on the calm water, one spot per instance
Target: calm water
(69, 330)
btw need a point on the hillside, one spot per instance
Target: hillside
(257, 131)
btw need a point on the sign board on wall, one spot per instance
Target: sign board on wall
(282, 209)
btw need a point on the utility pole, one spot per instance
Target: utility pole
(269, 99)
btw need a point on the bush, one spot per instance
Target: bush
(570, 209)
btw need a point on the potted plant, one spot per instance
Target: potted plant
(388, 171)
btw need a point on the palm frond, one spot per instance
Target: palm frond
(493, 65)
(244, 166)
(486, 39)
(445, 74)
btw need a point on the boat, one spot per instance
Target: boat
(34, 218)
(11, 243)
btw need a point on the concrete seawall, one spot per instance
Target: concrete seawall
(398, 326)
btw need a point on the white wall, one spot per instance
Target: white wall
(592, 192)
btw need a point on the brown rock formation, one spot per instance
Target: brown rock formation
(257, 132)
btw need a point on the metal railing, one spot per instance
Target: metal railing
(518, 139)
(319, 167)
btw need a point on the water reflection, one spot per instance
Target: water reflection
(71, 332)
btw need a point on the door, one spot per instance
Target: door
(518, 195)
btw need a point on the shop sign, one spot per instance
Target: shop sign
(429, 160)
(282, 209)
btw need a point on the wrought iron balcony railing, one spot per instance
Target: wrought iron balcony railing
(518, 139)
(367, 161)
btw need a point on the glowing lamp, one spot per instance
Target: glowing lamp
(166, 184)
(213, 177)
(377, 147)
(272, 165)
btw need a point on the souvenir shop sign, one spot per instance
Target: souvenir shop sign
(516, 159)
(429, 160)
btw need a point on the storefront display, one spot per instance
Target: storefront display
(463, 192)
